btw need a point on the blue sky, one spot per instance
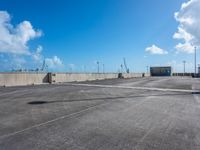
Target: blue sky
(77, 33)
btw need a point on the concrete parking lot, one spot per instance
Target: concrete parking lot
(118, 114)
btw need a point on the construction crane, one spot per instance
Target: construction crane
(125, 65)
(44, 66)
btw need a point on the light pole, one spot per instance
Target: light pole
(147, 69)
(198, 68)
(184, 67)
(121, 68)
(84, 68)
(98, 66)
(103, 68)
(195, 62)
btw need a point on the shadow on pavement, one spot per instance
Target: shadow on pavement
(105, 98)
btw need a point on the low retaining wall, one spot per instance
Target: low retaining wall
(183, 74)
(70, 77)
(12, 79)
(24, 78)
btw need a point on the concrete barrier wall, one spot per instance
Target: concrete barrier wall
(183, 74)
(133, 75)
(14, 79)
(69, 77)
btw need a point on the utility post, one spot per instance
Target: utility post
(121, 68)
(97, 66)
(71, 70)
(147, 69)
(84, 68)
(198, 68)
(103, 68)
(195, 61)
(184, 67)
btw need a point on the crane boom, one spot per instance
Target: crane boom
(127, 69)
(44, 66)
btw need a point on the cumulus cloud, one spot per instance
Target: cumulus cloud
(14, 49)
(37, 56)
(156, 50)
(54, 63)
(184, 47)
(188, 30)
(14, 39)
(18, 62)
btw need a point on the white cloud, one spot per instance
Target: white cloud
(37, 56)
(14, 50)
(184, 47)
(145, 56)
(18, 62)
(54, 63)
(188, 30)
(72, 66)
(182, 34)
(14, 39)
(156, 50)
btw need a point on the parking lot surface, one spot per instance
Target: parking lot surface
(119, 114)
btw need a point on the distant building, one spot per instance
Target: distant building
(161, 71)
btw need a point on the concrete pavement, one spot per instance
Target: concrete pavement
(101, 116)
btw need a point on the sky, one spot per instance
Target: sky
(73, 35)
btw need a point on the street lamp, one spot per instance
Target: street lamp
(121, 68)
(84, 68)
(195, 62)
(184, 67)
(103, 68)
(198, 68)
(98, 66)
